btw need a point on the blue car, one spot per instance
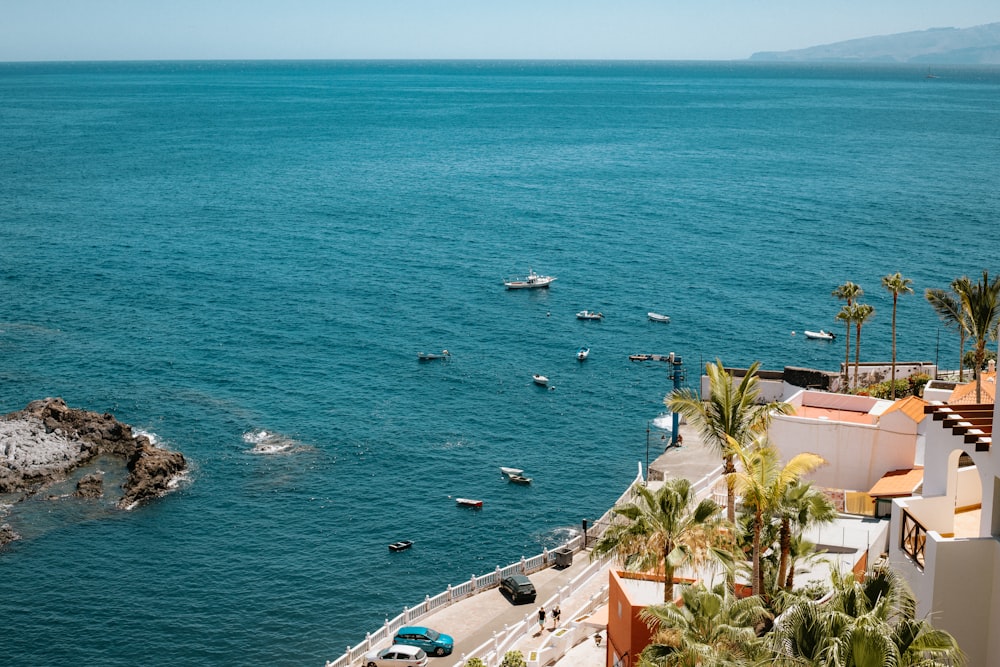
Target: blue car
(432, 641)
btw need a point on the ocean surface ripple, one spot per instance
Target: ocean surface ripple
(244, 259)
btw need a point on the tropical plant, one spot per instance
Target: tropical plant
(710, 627)
(981, 311)
(896, 284)
(799, 507)
(762, 484)
(949, 308)
(513, 659)
(731, 411)
(969, 360)
(846, 315)
(860, 314)
(866, 623)
(847, 292)
(662, 530)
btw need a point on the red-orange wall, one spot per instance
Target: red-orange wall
(627, 633)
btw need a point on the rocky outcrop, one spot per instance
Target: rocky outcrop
(90, 486)
(48, 439)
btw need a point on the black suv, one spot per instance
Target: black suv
(518, 588)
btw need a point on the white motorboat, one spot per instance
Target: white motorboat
(531, 281)
(429, 356)
(469, 502)
(820, 335)
(589, 315)
(515, 475)
(583, 353)
(540, 380)
(656, 317)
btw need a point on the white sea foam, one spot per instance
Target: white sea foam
(269, 442)
(153, 438)
(664, 421)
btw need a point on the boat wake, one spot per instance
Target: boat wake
(268, 442)
(664, 421)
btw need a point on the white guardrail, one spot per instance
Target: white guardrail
(500, 642)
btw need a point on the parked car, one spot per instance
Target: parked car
(397, 655)
(432, 641)
(518, 588)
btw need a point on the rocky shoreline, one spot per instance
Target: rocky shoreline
(47, 440)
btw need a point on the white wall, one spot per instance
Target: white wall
(965, 587)
(857, 455)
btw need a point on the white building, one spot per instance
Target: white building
(947, 541)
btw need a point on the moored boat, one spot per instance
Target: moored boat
(401, 545)
(589, 315)
(656, 317)
(583, 353)
(515, 475)
(428, 356)
(469, 502)
(531, 281)
(540, 380)
(820, 335)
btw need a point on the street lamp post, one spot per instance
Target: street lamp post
(647, 452)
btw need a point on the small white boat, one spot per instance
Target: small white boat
(540, 380)
(583, 353)
(820, 335)
(402, 545)
(469, 502)
(515, 475)
(656, 317)
(589, 315)
(531, 281)
(428, 356)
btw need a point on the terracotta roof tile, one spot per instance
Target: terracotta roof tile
(911, 406)
(898, 483)
(966, 393)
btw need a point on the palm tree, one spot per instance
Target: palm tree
(846, 315)
(949, 308)
(762, 484)
(860, 313)
(710, 627)
(803, 506)
(663, 529)
(847, 292)
(897, 284)
(867, 623)
(731, 411)
(981, 311)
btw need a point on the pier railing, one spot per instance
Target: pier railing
(480, 583)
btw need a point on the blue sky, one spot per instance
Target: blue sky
(544, 29)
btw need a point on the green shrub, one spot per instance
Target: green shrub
(513, 659)
(475, 662)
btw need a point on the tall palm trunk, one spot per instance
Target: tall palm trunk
(785, 544)
(895, 297)
(847, 353)
(857, 353)
(961, 355)
(757, 585)
(668, 572)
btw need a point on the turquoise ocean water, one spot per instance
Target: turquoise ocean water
(215, 250)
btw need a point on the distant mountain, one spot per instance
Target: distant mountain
(979, 45)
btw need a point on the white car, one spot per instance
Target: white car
(397, 655)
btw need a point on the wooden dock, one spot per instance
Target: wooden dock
(649, 357)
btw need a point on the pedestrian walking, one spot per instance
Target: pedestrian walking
(541, 618)
(555, 617)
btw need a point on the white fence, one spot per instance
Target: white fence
(480, 583)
